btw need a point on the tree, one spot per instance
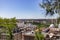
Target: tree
(9, 24)
(39, 36)
(51, 7)
(58, 20)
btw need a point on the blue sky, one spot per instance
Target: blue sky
(22, 9)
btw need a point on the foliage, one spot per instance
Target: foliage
(58, 20)
(39, 36)
(9, 24)
(39, 25)
(51, 6)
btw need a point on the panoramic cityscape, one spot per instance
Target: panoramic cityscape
(29, 19)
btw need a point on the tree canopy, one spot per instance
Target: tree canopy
(9, 24)
(51, 6)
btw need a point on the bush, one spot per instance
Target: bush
(39, 36)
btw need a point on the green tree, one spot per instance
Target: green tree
(51, 7)
(9, 24)
(39, 36)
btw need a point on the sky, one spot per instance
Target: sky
(22, 9)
